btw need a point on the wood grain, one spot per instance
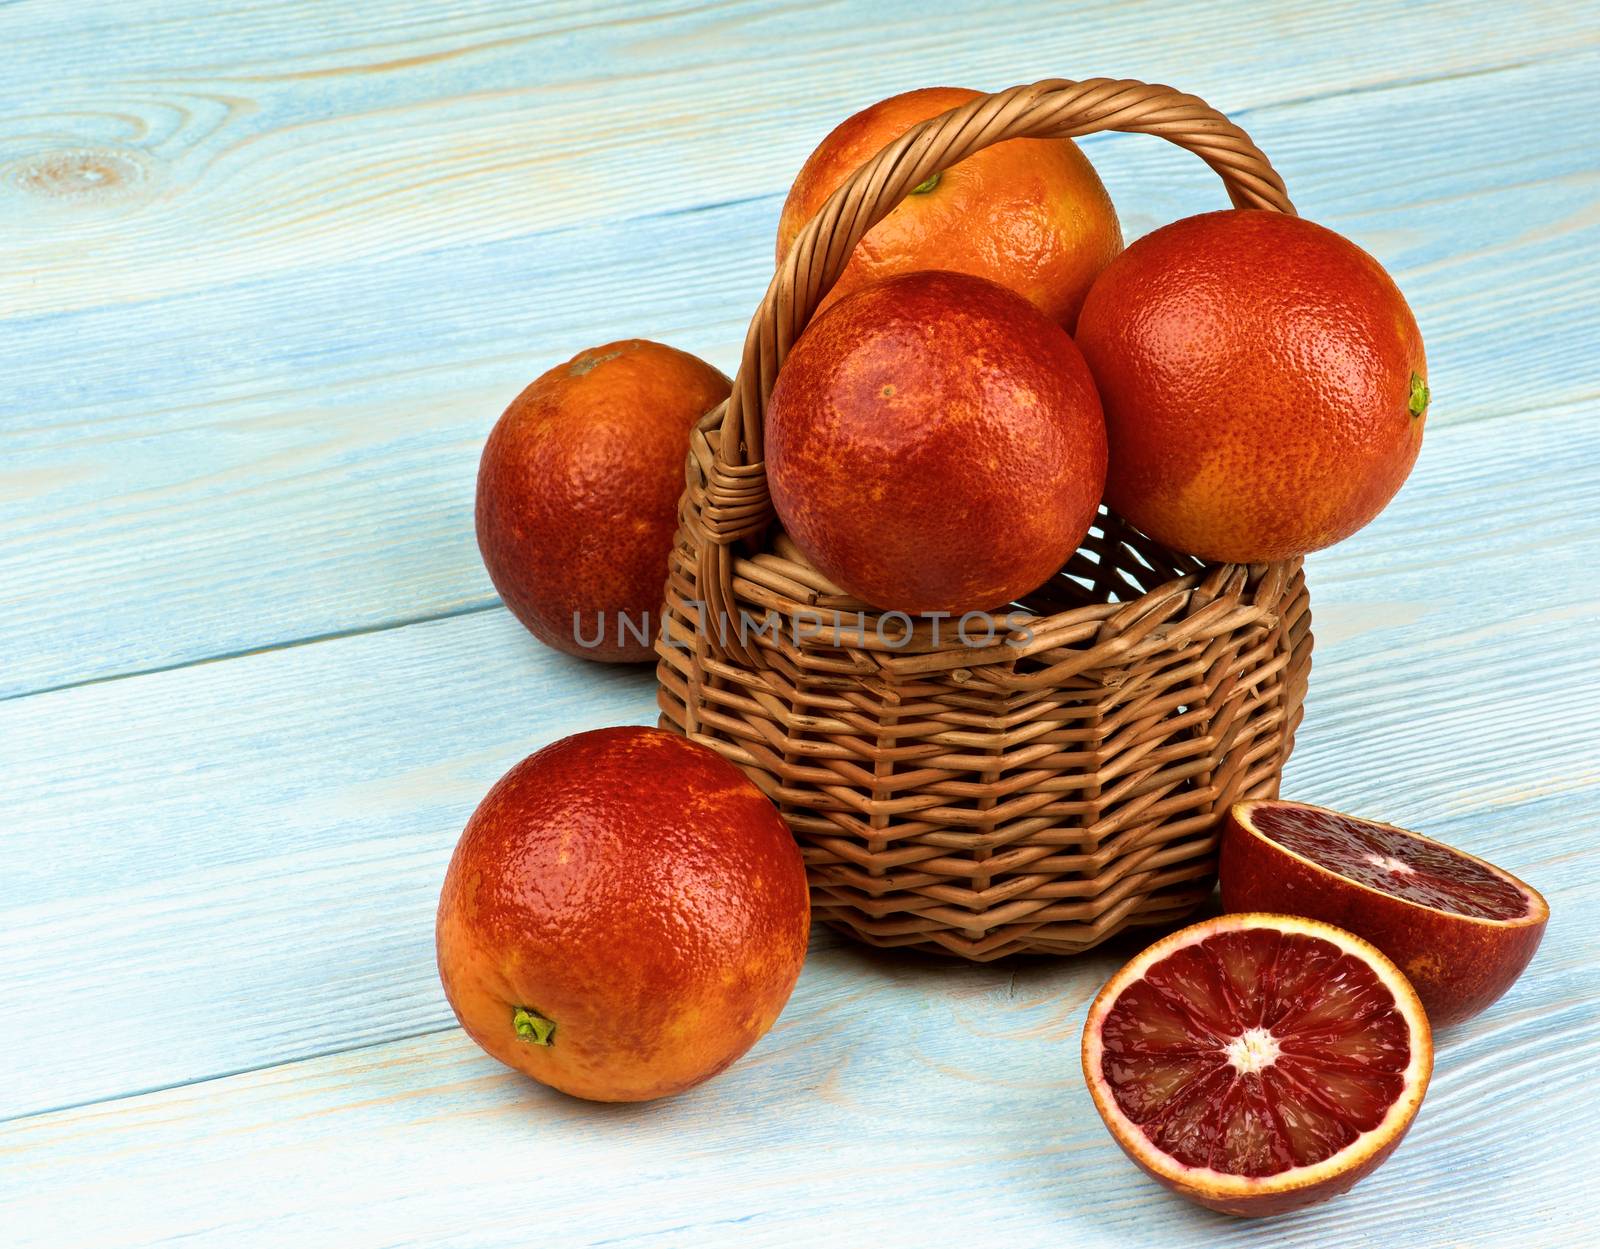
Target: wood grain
(896, 1101)
(232, 141)
(267, 834)
(292, 457)
(263, 835)
(268, 272)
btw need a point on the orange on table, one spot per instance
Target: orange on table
(1460, 928)
(624, 916)
(578, 492)
(1258, 1063)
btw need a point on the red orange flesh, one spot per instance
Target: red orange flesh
(1258, 1063)
(1461, 929)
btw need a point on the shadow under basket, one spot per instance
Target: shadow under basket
(1037, 789)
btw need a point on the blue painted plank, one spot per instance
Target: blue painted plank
(243, 377)
(897, 1103)
(292, 457)
(236, 140)
(276, 825)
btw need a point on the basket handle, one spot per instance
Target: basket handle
(727, 498)
(733, 502)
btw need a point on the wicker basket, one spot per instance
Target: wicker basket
(1042, 791)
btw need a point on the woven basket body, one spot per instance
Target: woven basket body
(1037, 788)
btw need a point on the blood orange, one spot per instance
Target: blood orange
(1264, 385)
(1258, 1063)
(624, 916)
(935, 444)
(1030, 214)
(1461, 929)
(578, 494)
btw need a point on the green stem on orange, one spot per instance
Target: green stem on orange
(926, 185)
(1420, 395)
(533, 1027)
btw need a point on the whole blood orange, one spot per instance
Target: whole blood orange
(934, 444)
(1263, 382)
(624, 916)
(1461, 929)
(578, 492)
(1031, 214)
(1258, 1063)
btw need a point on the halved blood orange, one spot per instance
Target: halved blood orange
(1258, 1063)
(1461, 929)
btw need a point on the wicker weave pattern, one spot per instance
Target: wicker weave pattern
(1042, 789)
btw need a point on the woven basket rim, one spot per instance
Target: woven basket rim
(775, 576)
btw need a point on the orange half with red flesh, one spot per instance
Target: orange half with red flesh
(1256, 1063)
(1460, 928)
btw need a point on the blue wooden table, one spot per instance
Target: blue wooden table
(269, 269)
